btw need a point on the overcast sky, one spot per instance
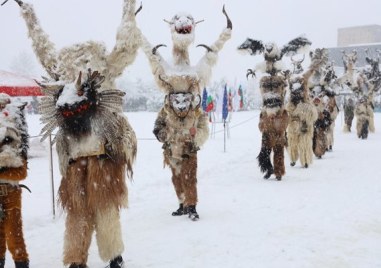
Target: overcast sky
(72, 21)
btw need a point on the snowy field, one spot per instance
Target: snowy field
(325, 216)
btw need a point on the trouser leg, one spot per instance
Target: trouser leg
(13, 227)
(78, 232)
(178, 185)
(109, 233)
(279, 169)
(189, 180)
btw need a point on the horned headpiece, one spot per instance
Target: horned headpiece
(74, 106)
(272, 53)
(182, 101)
(183, 25)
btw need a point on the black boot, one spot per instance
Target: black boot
(192, 213)
(74, 265)
(21, 264)
(117, 262)
(180, 211)
(2, 263)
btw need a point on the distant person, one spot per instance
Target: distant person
(349, 113)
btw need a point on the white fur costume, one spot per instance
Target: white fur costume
(181, 124)
(300, 129)
(65, 64)
(363, 85)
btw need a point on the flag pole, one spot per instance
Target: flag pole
(224, 135)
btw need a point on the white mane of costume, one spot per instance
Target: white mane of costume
(180, 75)
(65, 64)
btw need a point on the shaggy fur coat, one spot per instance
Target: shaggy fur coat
(300, 130)
(364, 119)
(273, 122)
(96, 148)
(65, 64)
(180, 148)
(13, 169)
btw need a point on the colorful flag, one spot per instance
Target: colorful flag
(210, 104)
(240, 93)
(225, 110)
(204, 100)
(230, 101)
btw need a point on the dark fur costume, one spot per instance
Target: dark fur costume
(274, 118)
(273, 128)
(13, 169)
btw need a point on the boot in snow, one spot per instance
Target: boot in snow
(180, 211)
(21, 264)
(2, 263)
(117, 262)
(192, 213)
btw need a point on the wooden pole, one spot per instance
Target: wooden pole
(52, 175)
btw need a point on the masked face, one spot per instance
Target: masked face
(182, 103)
(182, 28)
(317, 95)
(10, 144)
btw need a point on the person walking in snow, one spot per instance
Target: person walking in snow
(181, 125)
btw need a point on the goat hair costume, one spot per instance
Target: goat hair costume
(65, 64)
(274, 117)
(181, 125)
(13, 169)
(363, 83)
(96, 146)
(319, 77)
(302, 116)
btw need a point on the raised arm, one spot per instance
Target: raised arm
(127, 40)
(204, 66)
(43, 48)
(157, 62)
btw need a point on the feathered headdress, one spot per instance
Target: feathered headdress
(73, 107)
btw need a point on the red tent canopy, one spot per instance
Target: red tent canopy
(18, 85)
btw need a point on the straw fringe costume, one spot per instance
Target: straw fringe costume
(96, 148)
(93, 162)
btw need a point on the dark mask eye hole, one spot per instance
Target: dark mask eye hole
(7, 140)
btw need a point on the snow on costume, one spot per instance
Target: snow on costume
(300, 129)
(274, 117)
(318, 79)
(96, 147)
(181, 125)
(13, 169)
(363, 83)
(64, 66)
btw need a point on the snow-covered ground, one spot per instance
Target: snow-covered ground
(325, 216)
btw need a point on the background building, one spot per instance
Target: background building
(356, 38)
